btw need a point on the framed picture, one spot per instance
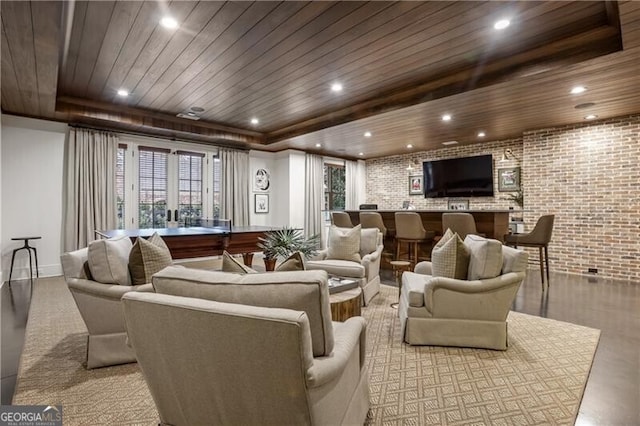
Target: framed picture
(261, 203)
(261, 180)
(458, 205)
(509, 179)
(415, 184)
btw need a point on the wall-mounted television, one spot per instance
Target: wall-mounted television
(459, 177)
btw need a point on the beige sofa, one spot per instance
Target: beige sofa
(454, 312)
(100, 308)
(222, 348)
(366, 271)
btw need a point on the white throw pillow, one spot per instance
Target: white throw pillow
(344, 243)
(486, 257)
(109, 260)
(450, 257)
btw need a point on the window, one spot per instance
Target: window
(152, 172)
(216, 186)
(122, 150)
(334, 187)
(189, 187)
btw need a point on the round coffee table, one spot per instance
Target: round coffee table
(346, 304)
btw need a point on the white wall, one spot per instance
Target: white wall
(32, 157)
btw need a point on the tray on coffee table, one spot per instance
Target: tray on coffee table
(338, 284)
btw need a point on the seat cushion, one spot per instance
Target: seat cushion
(414, 284)
(343, 268)
(344, 243)
(295, 262)
(109, 260)
(230, 264)
(486, 257)
(450, 257)
(148, 257)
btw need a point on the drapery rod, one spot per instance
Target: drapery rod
(173, 139)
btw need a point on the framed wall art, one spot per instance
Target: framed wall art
(509, 179)
(261, 203)
(261, 180)
(415, 185)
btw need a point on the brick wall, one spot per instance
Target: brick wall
(587, 175)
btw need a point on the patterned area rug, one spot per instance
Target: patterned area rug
(539, 380)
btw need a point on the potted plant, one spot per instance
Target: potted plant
(518, 198)
(284, 242)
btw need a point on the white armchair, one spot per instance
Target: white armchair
(365, 270)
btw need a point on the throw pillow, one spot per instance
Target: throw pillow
(295, 262)
(344, 243)
(108, 260)
(148, 257)
(450, 257)
(486, 257)
(230, 264)
(368, 241)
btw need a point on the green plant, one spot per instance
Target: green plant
(283, 242)
(517, 197)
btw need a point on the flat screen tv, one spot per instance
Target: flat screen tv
(459, 177)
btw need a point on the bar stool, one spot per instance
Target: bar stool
(373, 220)
(409, 229)
(341, 219)
(462, 224)
(27, 247)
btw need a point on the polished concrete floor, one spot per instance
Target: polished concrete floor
(612, 395)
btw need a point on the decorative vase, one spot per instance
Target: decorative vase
(269, 264)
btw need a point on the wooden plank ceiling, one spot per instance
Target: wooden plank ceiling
(402, 65)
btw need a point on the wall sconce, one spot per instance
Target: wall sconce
(508, 154)
(412, 165)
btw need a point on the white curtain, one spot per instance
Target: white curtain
(234, 186)
(355, 184)
(90, 186)
(313, 194)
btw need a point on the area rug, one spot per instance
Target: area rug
(540, 379)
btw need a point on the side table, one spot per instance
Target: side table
(27, 247)
(346, 304)
(399, 267)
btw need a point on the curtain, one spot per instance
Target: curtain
(313, 195)
(355, 184)
(89, 186)
(234, 186)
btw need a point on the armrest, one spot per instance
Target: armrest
(347, 336)
(371, 263)
(459, 297)
(106, 291)
(423, 268)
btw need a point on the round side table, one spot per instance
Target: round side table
(28, 248)
(399, 267)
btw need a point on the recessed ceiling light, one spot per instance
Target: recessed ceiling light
(361, 153)
(501, 24)
(318, 145)
(578, 89)
(336, 87)
(450, 143)
(254, 121)
(169, 22)
(481, 134)
(446, 117)
(409, 146)
(591, 117)
(367, 134)
(123, 93)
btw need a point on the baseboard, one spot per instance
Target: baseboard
(53, 270)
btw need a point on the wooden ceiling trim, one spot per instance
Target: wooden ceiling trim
(202, 46)
(274, 45)
(46, 17)
(94, 30)
(448, 85)
(77, 15)
(82, 107)
(250, 22)
(122, 19)
(164, 41)
(11, 98)
(335, 53)
(300, 44)
(630, 23)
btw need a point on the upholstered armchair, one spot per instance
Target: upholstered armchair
(255, 349)
(469, 312)
(352, 253)
(100, 308)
